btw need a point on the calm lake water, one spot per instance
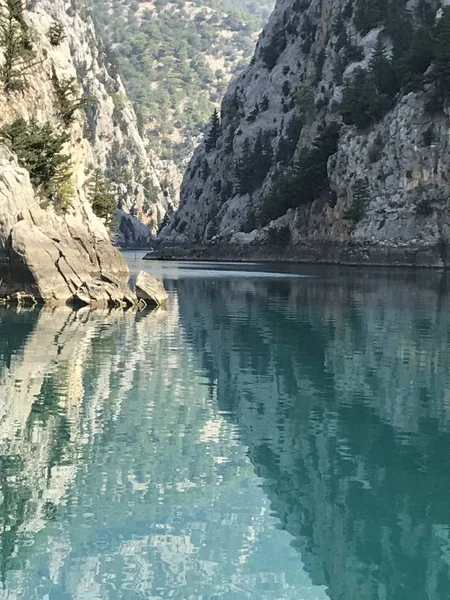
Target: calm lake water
(276, 434)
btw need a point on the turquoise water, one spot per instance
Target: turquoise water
(278, 433)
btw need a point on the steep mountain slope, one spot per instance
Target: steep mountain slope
(333, 144)
(147, 187)
(177, 58)
(57, 138)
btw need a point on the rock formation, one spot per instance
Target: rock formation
(59, 250)
(55, 258)
(150, 291)
(333, 144)
(147, 187)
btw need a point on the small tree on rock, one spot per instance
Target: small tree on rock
(101, 197)
(18, 53)
(214, 131)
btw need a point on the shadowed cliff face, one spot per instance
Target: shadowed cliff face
(340, 391)
(303, 157)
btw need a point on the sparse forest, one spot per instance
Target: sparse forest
(176, 59)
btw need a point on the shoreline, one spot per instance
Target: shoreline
(436, 257)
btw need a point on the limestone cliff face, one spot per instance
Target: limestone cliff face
(56, 258)
(147, 187)
(381, 187)
(61, 255)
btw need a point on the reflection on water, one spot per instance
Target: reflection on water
(265, 438)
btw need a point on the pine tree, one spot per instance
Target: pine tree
(358, 98)
(68, 98)
(381, 69)
(214, 131)
(369, 14)
(360, 193)
(39, 149)
(19, 57)
(265, 102)
(243, 169)
(101, 197)
(441, 51)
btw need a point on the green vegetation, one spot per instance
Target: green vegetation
(176, 59)
(101, 197)
(419, 59)
(214, 132)
(68, 98)
(303, 181)
(15, 42)
(360, 198)
(56, 34)
(39, 149)
(253, 163)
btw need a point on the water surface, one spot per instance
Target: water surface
(278, 433)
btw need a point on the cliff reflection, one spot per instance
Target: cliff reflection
(341, 390)
(118, 476)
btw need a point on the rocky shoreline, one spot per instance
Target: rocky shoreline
(435, 256)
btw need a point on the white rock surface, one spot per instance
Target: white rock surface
(53, 256)
(147, 187)
(63, 257)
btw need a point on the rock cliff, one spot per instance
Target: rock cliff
(147, 187)
(333, 144)
(56, 258)
(57, 95)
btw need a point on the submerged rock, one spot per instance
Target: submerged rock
(150, 290)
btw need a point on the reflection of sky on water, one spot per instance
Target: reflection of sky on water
(208, 269)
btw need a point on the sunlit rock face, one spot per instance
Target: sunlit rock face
(379, 189)
(51, 252)
(147, 187)
(336, 388)
(54, 257)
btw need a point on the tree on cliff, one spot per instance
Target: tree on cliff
(101, 197)
(380, 67)
(214, 131)
(441, 69)
(19, 57)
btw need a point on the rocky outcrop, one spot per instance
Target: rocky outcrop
(292, 172)
(62, 253)
(55, 258)
(150, 291)
(132, 233)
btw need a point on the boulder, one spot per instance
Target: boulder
(150, 290)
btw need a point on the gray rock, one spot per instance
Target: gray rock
(68, 257)
(404, 173)
(150, 290)
(146, 186)
(132, 232)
